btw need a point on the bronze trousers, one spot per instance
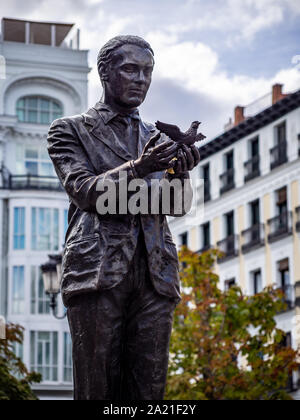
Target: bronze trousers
(121, 339)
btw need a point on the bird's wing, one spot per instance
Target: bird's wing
(169, 129)
(199, 137)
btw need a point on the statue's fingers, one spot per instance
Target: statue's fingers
(165, 145)
(168, 151)
(183, 160)
(152, 141)
(196, 154)
(189, 157)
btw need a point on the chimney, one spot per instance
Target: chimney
(238, 114)
(277, 93)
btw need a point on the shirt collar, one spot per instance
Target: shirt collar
(107, 113)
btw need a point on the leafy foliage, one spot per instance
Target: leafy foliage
(225, 345)
(15, 380)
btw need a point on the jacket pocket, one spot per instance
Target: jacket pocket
(81, 265)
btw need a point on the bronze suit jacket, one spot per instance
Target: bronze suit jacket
(99, 248)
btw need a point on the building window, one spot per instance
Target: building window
(183, 239)
(37, 161)
(280, 133)
(252, 165)
(281, 201)
(39, 299)
(229, 283)
(44, 229)
(18, 290)
(19, 228)
(44, 354)
(256, 280)
(38, 110)
(254, 213)
(68, 358)
(279, 151)
(229, 245)
(206, 179)
(33, 160)
(227, 178)
(205, 236)
(18, 350)
(283, 281)
(229, 224)
(284, 273)
(281, 224)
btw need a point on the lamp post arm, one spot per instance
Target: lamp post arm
(53, 306)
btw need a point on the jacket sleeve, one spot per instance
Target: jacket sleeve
(74, 169)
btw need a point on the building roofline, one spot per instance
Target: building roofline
(38, 21)
(251, 124)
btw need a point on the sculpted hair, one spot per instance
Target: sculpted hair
(106, 52)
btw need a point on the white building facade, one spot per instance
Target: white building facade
(44, 79)
(251, 197)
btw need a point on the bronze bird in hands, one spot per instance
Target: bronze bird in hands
(188, 138)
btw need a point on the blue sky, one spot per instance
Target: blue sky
(210, 55)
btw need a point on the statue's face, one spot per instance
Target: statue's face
(129, 75)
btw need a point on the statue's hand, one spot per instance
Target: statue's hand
(188, 157)
(156, 158)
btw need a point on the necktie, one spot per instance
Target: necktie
(129, 131)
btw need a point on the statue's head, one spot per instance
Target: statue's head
(125, 65)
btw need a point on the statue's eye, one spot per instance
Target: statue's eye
(129, 69)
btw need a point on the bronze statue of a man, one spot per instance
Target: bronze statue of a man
(120, 280)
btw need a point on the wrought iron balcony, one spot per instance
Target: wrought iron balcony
(227, 181)
(229, 247)
(252, 169)
(253, 237)
(204, 248)
(288, 292)
(32, 182)
(278, 154)
(298, 219)
(280, 226)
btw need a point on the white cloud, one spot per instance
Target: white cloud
(237, 20)
(175, 36)
(194, 66)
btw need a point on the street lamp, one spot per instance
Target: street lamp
(51, 272)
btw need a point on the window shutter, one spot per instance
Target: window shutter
(283, 265)
(281, 196)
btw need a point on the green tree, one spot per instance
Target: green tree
(225, 345)
(15, 380)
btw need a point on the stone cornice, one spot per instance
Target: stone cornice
(10, 125)
(30, 80)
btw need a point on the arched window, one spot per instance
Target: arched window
(38, 110)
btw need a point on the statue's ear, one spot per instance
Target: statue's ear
(104, 77)
(103, 73)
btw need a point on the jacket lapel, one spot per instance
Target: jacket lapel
(106, 135)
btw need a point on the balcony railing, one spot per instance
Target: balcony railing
(29, 182)
(280, 226)
(253, 237)
(278, 154)
(227, 181)
(298, 219)
(229, 247)
(288, 292)
(204, 248)
(252, 169)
